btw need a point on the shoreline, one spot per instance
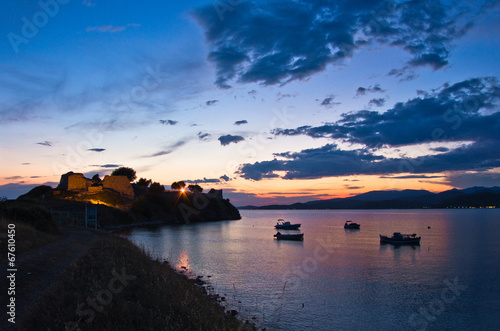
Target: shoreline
(122, 278)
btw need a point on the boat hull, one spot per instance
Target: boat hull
(410, 241)
(352, 226)
(296, 237)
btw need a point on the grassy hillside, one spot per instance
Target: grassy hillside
(119, 288)
(34, 227)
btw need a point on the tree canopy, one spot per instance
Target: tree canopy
(195, 188)
(178, 185)
(125, 171)
(144, 182)
(156, 188)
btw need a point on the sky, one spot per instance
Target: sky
(272, 101)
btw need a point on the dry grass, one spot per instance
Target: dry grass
(26, 237)
(152, 297)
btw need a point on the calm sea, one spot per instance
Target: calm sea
(340, 279)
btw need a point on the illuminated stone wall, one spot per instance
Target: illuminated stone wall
(119, 184)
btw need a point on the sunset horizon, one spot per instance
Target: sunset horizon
(271, 102)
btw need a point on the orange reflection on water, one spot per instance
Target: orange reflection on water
(183, 260)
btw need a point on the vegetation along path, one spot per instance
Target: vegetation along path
(38, 268)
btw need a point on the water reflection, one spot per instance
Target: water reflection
(338, 278)
(183, 261)
(285, 243)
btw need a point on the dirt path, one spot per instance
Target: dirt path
(38, 269)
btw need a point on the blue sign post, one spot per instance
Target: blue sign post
(90, 216)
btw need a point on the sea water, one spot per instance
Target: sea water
(339, 279)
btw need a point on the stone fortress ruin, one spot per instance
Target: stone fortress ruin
(77, 183)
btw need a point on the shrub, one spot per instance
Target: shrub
(35, 216)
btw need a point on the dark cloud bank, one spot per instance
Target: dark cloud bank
(227, 139)
(275, 42)
(466, 113)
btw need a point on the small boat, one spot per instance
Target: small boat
(401, 239)
(351, 225)
(286, 225)
(295, 236)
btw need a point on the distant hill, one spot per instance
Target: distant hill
(474, 197)
(389, 195)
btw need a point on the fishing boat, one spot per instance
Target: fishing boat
(351, 225)
(281, 224)
(294, 236)
(401, 239)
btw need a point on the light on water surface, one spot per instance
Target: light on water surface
(339, 279)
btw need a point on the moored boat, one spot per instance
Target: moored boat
(281, 224)
(351, 225)
(294, 236)
(401, 239)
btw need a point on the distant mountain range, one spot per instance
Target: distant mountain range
(474, 197)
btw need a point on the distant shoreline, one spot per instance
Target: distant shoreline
(474, 197)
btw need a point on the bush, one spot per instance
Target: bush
(141, 207)
(37, 217)
(125, 171)
(156, 189)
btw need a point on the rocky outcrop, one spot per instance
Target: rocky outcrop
(200, 207)
(140, 204)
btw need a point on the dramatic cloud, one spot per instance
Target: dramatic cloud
(371, 89)
(200, 181)
(440, 149)
(14, 178)
(169, 149)
(98, 150)
(353, 187)
(330, 161)
(45, 143)
(106, 166)
(223, 178)
(275, 42)
(241, 122)
(168, 122)
(470, 179)
(203, 136)
(227, 139)
(328, 101)
(378, 102)
(463, 111)
(411, 177)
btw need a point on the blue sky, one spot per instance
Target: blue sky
(273, 101)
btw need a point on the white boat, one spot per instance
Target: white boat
(281, 224)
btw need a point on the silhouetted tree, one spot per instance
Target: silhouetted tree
(195, 188)
(156, 189)
(144, 182)
(125, 171)
(178, 185)
(96, 178)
